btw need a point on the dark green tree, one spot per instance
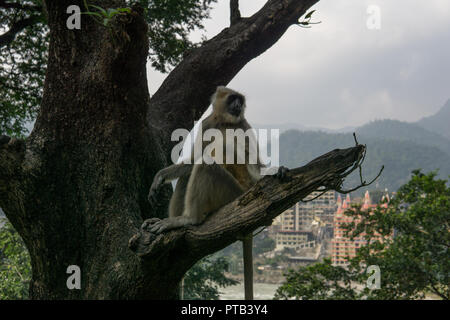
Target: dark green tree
(317, 281)
(24, 49)
(413, 263)
(203, 280)
(15, 268)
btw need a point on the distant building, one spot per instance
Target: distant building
(342, 247)
(302, 223)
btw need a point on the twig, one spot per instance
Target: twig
(235, 14)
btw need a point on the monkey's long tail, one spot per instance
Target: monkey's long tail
(247, 244)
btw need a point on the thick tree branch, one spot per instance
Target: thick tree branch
(184, 95)
(12, 152)
(16, 28)
(235, 14)
(256, 208)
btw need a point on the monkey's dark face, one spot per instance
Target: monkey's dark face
(235, 104)
(228, 105)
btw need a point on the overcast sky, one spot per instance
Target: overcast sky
(340, 73)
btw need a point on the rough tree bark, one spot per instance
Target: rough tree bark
(76, 188)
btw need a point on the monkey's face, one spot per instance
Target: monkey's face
(229, 105)
(235, 104)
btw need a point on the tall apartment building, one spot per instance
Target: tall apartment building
(343, 248)
(297, 224)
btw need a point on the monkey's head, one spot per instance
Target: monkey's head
(228, 104)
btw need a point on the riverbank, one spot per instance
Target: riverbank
(262, 291)
(267, 277)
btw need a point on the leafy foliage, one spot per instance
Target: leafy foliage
(23, 60)
(104, 16)
(261, 243)
(413, 263)
(318, 281)
(205, 277)
(170, 22)
(22, 68)
(15, 269)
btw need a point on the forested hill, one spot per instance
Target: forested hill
(399, 155)
(439, 122)
(402, 131)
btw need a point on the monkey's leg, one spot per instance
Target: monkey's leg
(210, 187)
(176, 206)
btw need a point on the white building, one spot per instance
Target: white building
(296, 225)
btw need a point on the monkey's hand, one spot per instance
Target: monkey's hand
(147, 224)
(153, 193)
(281, 174)
(156, 225)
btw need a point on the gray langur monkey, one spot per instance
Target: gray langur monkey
(203, 188)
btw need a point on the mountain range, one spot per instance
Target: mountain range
(439, 122)
(400, 146)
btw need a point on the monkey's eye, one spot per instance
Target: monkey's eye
(235, 99)
(235, 104)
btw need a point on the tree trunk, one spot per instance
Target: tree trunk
(76, 188)
(84, 176)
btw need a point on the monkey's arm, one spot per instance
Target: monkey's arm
(166, 175)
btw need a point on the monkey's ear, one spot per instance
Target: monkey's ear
(213, 98)
(221, 91)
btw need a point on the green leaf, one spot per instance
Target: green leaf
(90, 13)
(103, 11)
(127, 10)
(308, 16)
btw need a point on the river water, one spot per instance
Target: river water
(262, 291)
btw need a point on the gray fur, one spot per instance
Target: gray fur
(203, 188)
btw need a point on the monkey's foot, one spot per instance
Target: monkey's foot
(281, 174)
(155, 225)
(148, 222)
